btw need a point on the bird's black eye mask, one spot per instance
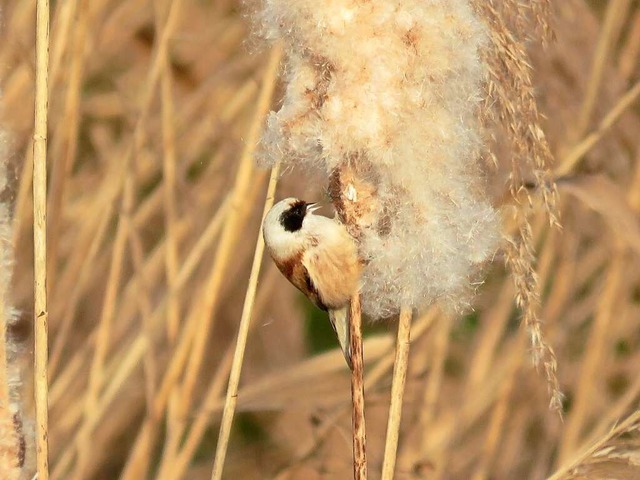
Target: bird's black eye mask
(291, 219)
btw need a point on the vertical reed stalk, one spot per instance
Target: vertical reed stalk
(40, 237)
(232, 229)
(397, 393)
(141, 450)
(241, 343)
(616, 11)
(169, 187)
(436, 374)
(357, 391)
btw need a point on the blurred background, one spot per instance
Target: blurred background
(154, 207)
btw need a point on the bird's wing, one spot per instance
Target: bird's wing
(328, 272)
(302, 280)
(339, 317)
(334, 274)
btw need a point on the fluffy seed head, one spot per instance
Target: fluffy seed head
(383, 96)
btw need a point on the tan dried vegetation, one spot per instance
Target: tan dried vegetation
(154, 206)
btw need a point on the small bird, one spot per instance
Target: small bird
(318, 256)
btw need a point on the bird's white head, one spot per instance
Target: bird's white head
(284, 227)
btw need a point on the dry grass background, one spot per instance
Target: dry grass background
(154, 208)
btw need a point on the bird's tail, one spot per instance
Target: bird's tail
(340, 322)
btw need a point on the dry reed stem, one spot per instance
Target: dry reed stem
(372, 380)
(307, 449)
(241, 342)
(434, 351)
(615, 413)
(174, 468)
(232, 228)
(145, 308)
(496, 428)
(141, 450)
(401, 364)
(563, 284)
(495, 321)
(169, 184)
(64, 15)
(127, 365)
(483, 399)
(102, 262)
(191, 333)
(379, 370)
(606, 314)
(68, 279)
(298, 374)
(498, 418)
(577, 153)
(630, 423)
(129, 294)
(40, 238)
(631, 49)
(616, 11)
(174, 432)
(109, 303)
(65, 146)
(242, 199)
(152, 70)
(97, 370)
(137, 462)
(66, 318)
(139, 346)
(436, 375)
(357, 390)
(434, 384)
(595, 346)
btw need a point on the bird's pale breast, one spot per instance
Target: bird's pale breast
(334, 269)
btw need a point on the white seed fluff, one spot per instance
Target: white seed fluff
(392, 87)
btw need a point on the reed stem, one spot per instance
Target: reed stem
(357, 391)
(231, 399)
(397, 393)
(40, 238)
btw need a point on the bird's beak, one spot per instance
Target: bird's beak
(312, 207)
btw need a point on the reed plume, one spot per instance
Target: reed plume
(383, 97)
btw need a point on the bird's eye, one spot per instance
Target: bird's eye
(292, 218)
